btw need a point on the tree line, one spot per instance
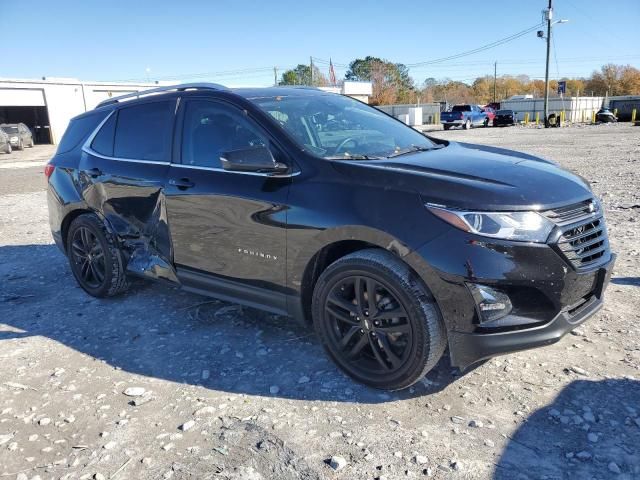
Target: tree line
(392, 83)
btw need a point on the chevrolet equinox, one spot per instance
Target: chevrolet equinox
(393, 245)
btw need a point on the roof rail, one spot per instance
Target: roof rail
(301, 87)
(179, 88)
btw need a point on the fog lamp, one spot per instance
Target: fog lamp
(492, 303)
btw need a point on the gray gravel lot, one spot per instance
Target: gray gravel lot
(159, 383)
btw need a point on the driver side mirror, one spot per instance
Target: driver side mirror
(252, 159)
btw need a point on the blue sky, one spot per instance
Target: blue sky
(238, 42)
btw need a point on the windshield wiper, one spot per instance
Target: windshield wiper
(356, 157)
(413, 149)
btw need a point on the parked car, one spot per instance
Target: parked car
(491, 114)
(465, 116)
(5, 144)
(604, 115)
(504, 118)
(393, 245)
(19, 135)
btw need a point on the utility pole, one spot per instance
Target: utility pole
(311, 64)
(495, 80)
(549, 18)
(275, 76)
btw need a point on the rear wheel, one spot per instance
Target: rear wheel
(377, 321)
(95, 259)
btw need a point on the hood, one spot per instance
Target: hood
(476, 177)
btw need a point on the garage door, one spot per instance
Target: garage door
(21, 97)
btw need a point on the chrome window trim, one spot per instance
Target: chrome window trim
(86, 148)
(255, 174)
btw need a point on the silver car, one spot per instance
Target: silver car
(5, 144)
(19, 135)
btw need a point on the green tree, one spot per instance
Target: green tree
(301, 75)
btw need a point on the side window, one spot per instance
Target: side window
(144, 132)
(103, 141)
(211, 129)
(78, 130)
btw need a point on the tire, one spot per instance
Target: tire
(415, 337)
(8, 149)
(31, 144)
(104, 257)
(447, 127)
(467, 125)
(20, 145)
(485, 123)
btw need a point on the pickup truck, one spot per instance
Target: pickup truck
(465, 116)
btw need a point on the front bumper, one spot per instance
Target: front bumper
(468, 348)
(550, 297)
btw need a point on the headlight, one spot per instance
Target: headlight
(519, 226)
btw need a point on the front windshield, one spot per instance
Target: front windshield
(337, 127)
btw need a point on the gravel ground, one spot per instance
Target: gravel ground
(159, 383)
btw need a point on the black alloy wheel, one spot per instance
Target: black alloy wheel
(377, 320)
(88, 256)
(95, 259)
(368, 324)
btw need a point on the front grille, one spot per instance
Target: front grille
(573, 213)
(584, 240)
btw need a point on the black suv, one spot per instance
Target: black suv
(314, 205)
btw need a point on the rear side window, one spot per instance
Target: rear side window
(78, 130)
(461, 108)
(103, 141)
(143, 132)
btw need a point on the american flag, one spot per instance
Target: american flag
(332, 73)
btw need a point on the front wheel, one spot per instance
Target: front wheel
(377, 321)
(20, 146)
(467, 125)
(447, 127)
(95, 259)
(486, 122)
(8, 149)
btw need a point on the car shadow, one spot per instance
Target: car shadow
(160, 331)
(630, 281)
(591, 430)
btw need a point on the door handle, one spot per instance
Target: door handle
(182, 184)
(94, 172)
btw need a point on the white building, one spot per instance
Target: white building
(358, 90)
(576, 109)
(47, 105)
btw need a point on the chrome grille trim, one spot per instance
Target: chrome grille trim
(583, 239)
(569, 214)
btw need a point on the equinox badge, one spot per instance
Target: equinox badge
(254, 253)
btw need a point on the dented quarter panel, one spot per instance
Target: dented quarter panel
(130, 197)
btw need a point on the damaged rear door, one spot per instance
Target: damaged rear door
(228, 228)
(123, 169)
